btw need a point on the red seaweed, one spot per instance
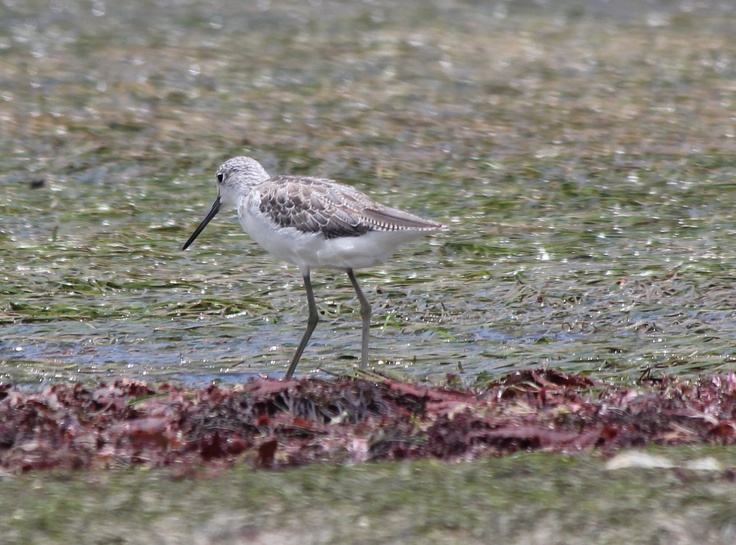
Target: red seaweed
(270, 423)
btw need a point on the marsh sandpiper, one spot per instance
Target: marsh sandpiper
(313, 223)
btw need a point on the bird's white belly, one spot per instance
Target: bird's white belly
(314, 251)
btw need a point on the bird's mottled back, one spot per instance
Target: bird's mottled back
(317, 205)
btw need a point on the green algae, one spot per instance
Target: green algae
(580, 154)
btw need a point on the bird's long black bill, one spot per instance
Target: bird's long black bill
(211, 214)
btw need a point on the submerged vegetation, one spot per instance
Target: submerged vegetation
(582, 157)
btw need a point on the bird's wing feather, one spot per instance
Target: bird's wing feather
(393, 219)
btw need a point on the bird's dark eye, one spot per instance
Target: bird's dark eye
(219, 177)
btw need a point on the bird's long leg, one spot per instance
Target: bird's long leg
(365, 314)
(311, 324)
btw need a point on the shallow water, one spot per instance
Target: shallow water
(582, 155)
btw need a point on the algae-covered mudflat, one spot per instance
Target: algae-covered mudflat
(582, 154)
